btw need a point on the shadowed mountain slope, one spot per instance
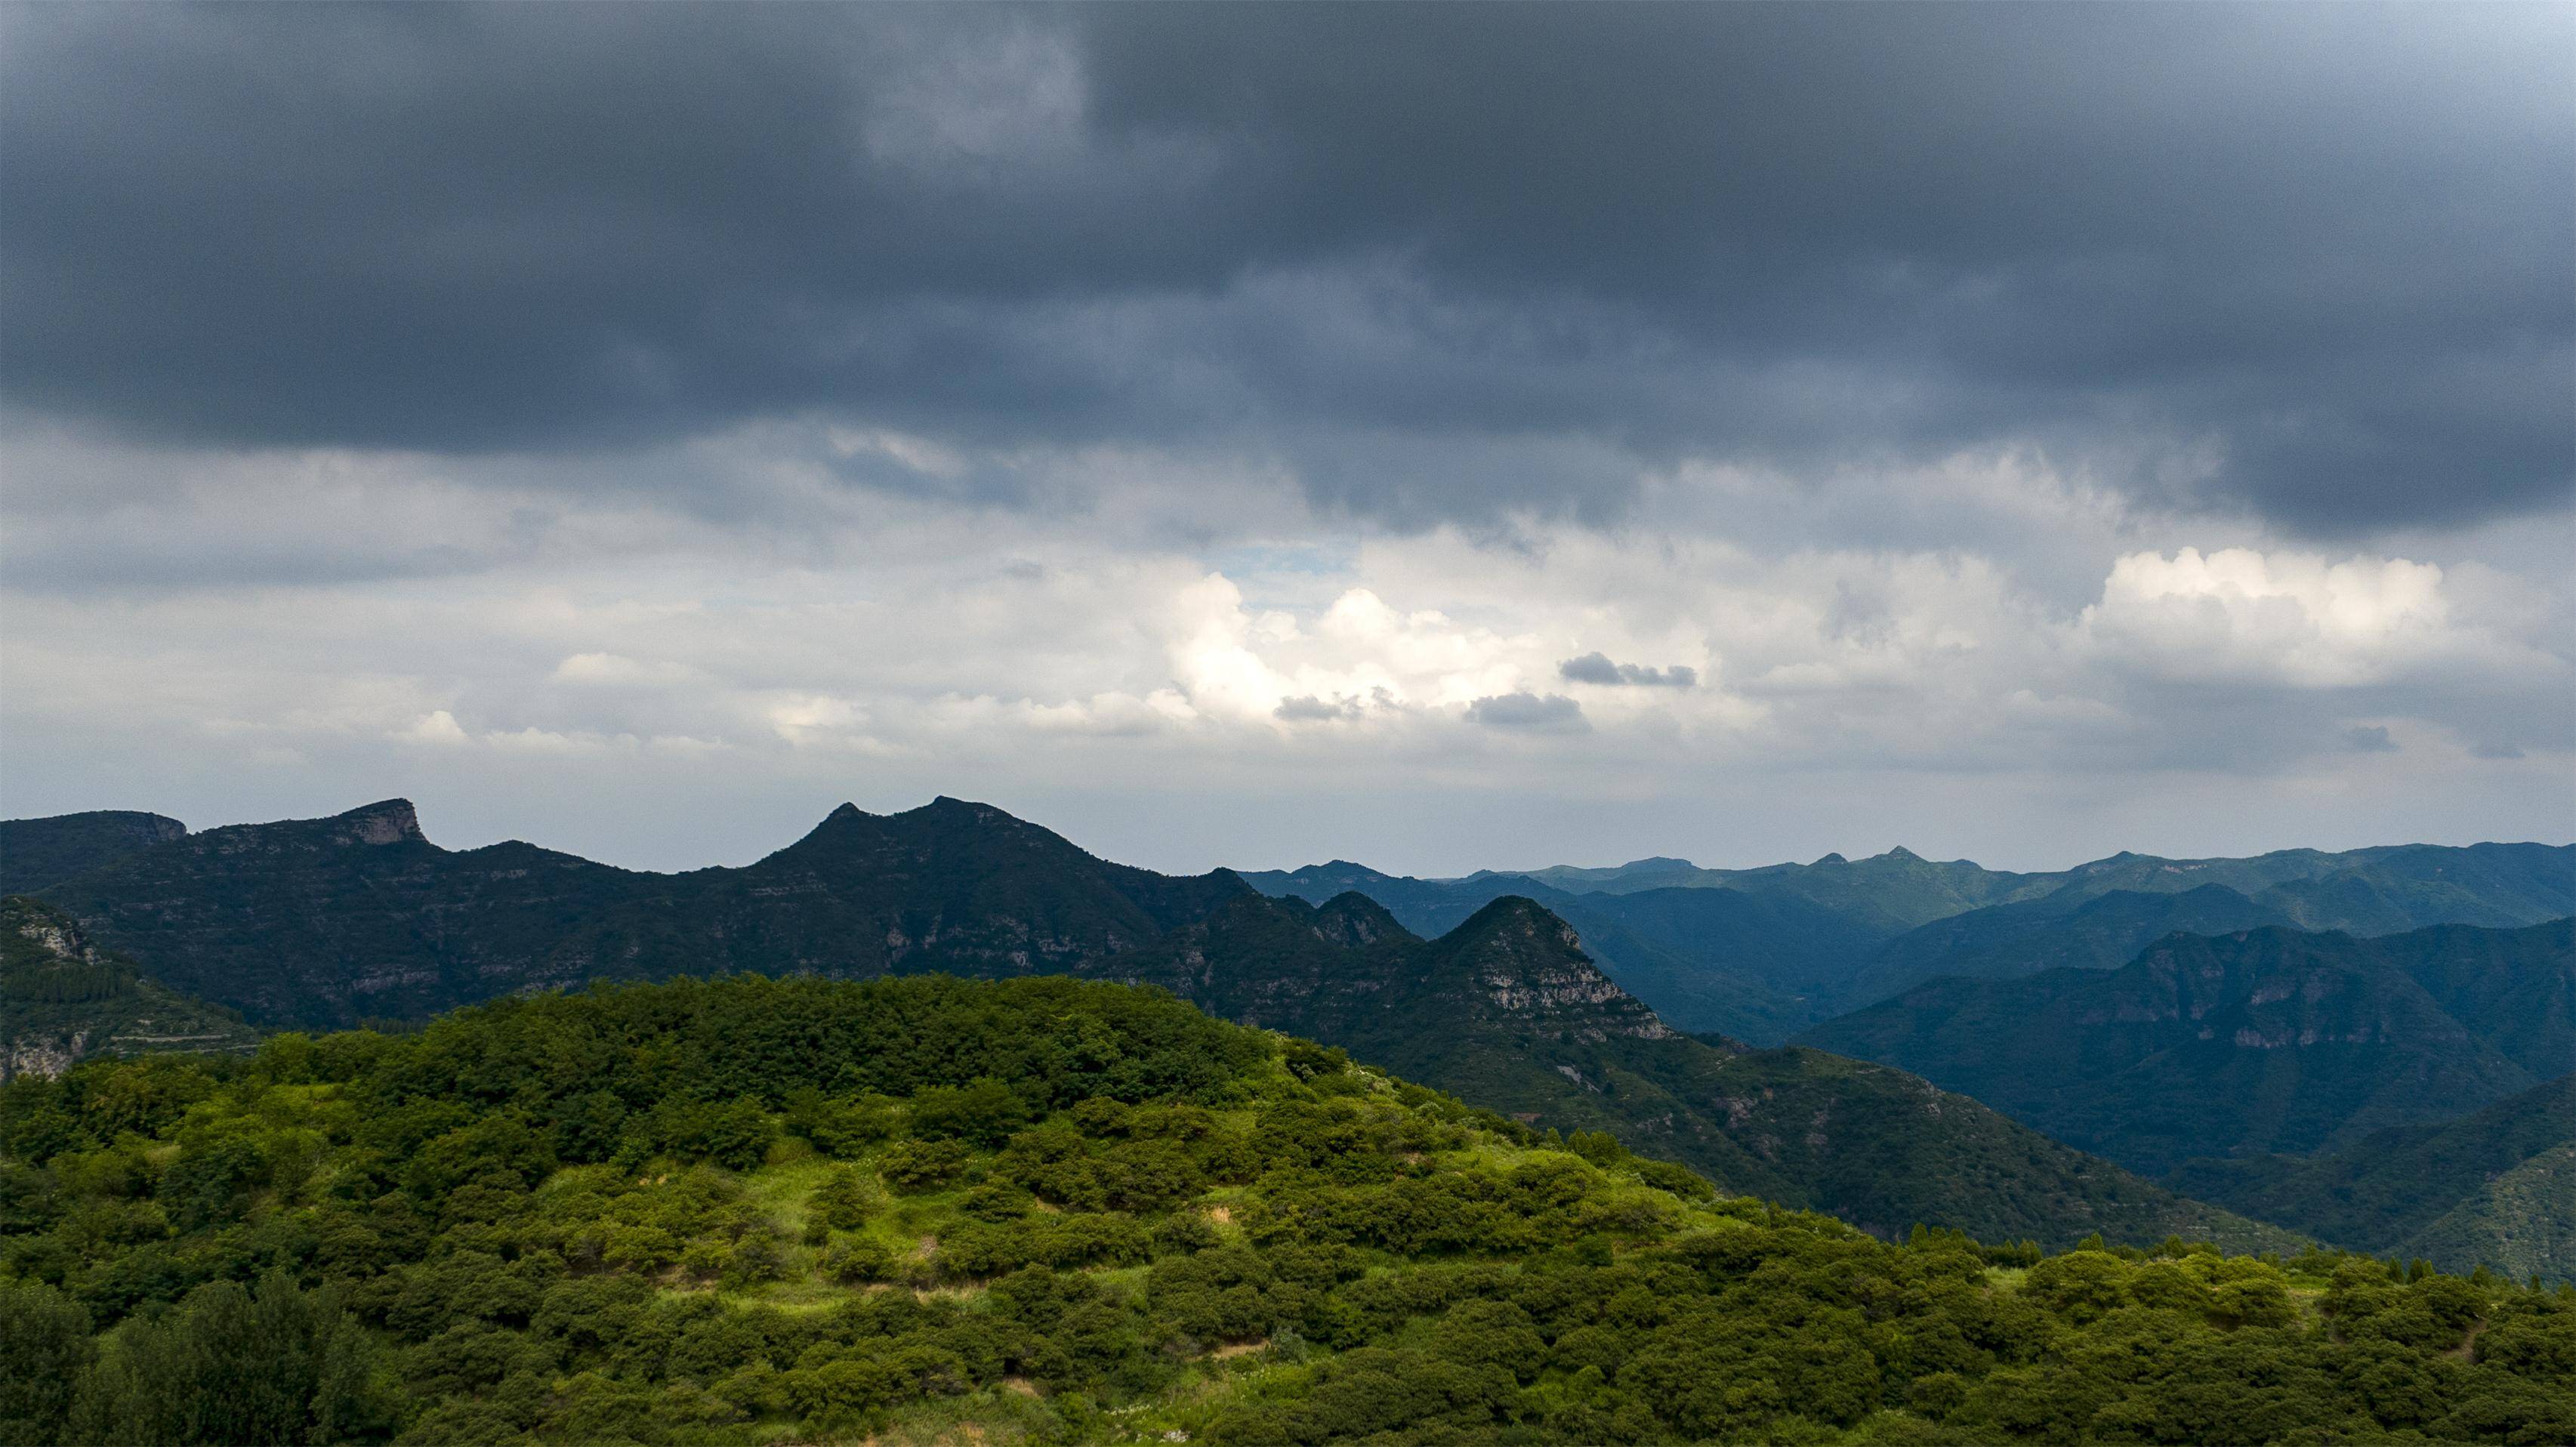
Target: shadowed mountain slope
(2066, 930)
(63, 999)
(2265, 1040)
(2490, 1189)
(326, 921)
(38, 852)
(1721, 960)
(2522, 1222)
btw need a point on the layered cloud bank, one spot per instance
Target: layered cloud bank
(1448, 437)
(1667, 685)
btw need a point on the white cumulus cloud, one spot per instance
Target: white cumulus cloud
(2287, 618)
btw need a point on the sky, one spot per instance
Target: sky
(1442, 437)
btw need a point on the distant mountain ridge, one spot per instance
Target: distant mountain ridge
(2262, 1040)
(323, 922)
(1837, 934)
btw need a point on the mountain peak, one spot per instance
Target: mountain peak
(388, 821)
(1823, 860)
(1353, 920)
(1515, 911)
(1531, 964)
(1900, 852)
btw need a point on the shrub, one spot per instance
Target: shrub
(922, 1165)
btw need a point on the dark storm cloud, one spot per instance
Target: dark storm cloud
(1439, 260)
(1597, 668)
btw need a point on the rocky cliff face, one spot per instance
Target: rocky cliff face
(1530, 966)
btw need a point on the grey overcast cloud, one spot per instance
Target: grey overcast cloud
(1441, 436)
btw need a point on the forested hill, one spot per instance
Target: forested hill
(710, 1214)
(329, 921)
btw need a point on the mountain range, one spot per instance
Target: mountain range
(2159, 1013)
(1761, 954)
(324, 922)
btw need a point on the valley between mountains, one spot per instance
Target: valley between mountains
(2134, 1048)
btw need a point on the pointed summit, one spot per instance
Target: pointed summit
(1824, 860)
(1526, 963)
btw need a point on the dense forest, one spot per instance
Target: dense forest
(1045, 1210)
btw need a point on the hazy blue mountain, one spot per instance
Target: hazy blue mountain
(1763, 953)
(1885, 893)
(2067, 929)
(2269, 1040)
(37, 852)
(1656, 872)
